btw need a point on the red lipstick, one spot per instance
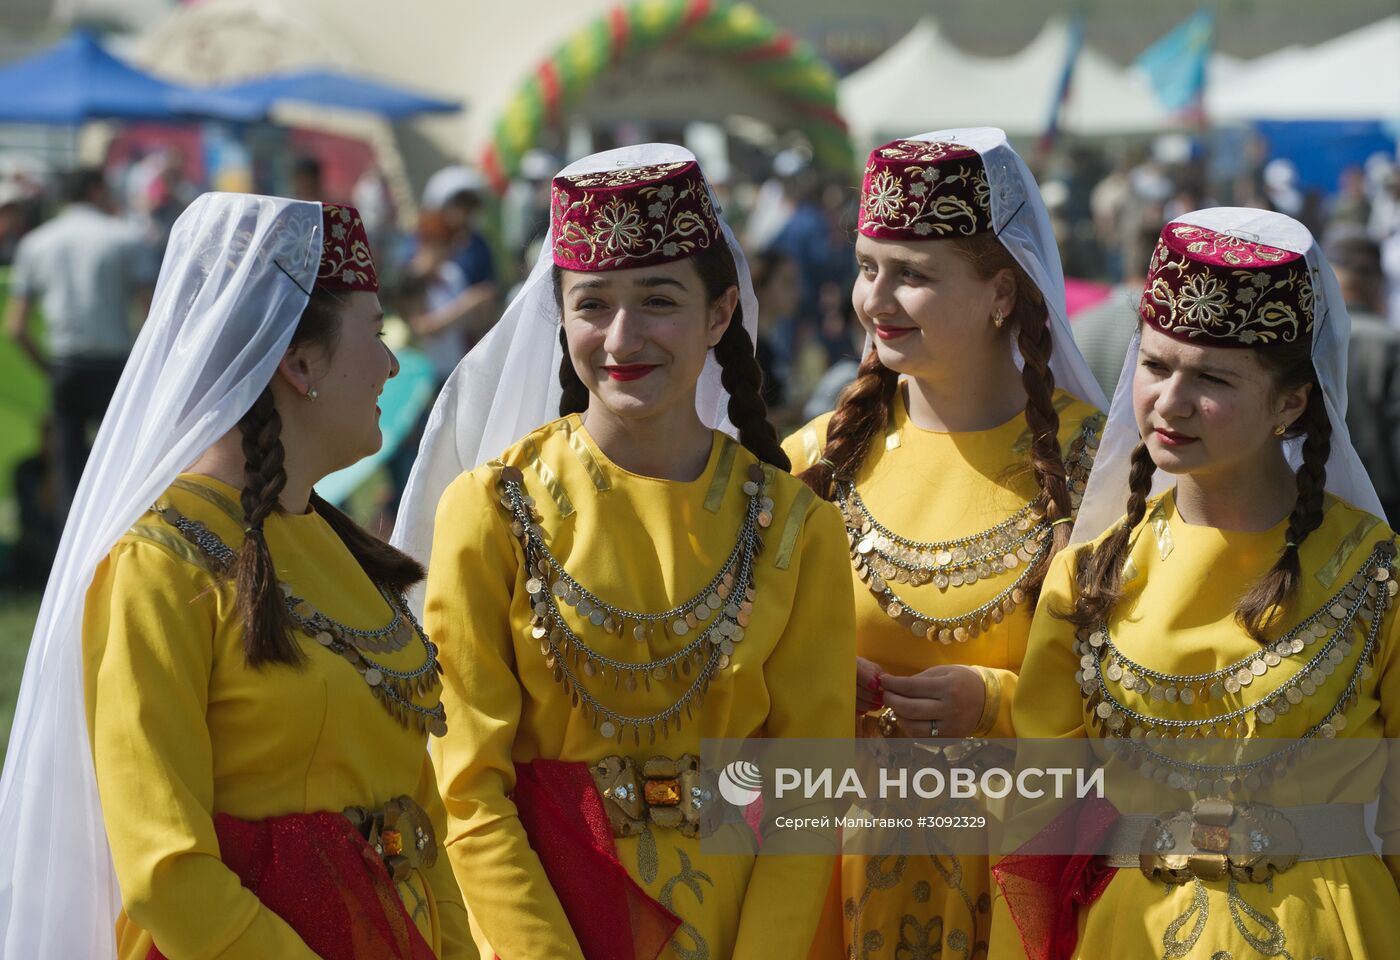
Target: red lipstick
(630, 371)
(1171, 438)
(892, 333)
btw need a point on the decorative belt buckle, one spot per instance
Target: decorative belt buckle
(675, 793)
(400, 833)
(1249, 842)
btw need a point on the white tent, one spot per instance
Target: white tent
(1355, 76)
(924, 82)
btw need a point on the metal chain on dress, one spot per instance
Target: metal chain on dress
(719, 612)
(1365, 598)
(394, 689)
(880, 555)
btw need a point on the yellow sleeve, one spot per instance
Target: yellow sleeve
(467, 613)
(1051, 707)
(148, 637)
(811, 681)
(1388, 692)
(456, 936)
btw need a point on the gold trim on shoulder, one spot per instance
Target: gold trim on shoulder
(585, 457)
(210, 495)
(1327, 574)
(796, 514)
(1162, 530)
(719, 483)
(172, 541)
(549, 478)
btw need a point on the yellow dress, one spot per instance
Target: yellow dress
(183, 729)
(1177, 618)
(641, 544)
(929, 486)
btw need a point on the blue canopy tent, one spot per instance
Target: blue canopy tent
(326, 88)
(77, 80)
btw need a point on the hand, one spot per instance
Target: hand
(950, 695)
(868, 696)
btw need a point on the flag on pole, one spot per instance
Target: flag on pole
(1074, 42)
(1176, 64)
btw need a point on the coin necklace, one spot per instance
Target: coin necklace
(1363, 599)
(394, 689)
(881, 556)
(718, 616)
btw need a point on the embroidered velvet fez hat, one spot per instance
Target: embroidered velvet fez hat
(632, 217)
(346, 263)
(924, 190)
(1226, 289)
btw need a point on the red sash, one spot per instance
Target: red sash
(316, 872)
(1045, 892)
(611, 915)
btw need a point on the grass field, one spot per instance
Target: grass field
(17, 614)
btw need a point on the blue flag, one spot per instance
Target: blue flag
(1074, 42)
(1176, 64)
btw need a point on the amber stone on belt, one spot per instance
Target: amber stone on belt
(392, 842)
(1211, 839)
(663, 793)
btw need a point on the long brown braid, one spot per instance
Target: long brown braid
(862, 410)
(574, 398)
(866, 405)
(740, 373)
(267, 627)
(1100, 571)
(1277, 588)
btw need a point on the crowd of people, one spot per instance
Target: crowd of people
(845, 467)
(449, 277)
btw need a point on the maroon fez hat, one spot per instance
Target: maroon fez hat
(1218, 289)
(924, 190)
(632, 217)
(346, 263)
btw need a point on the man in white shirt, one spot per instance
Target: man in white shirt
(86, 269)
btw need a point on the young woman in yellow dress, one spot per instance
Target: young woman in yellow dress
(257, 695)
(957, 457)
(1246, 604)
(622, 582)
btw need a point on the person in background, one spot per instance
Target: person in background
(776, 282)
(472, 308)
(1351, 204)
(87, 269)
(1104, 330)
(306, 179)
(1373, 361)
